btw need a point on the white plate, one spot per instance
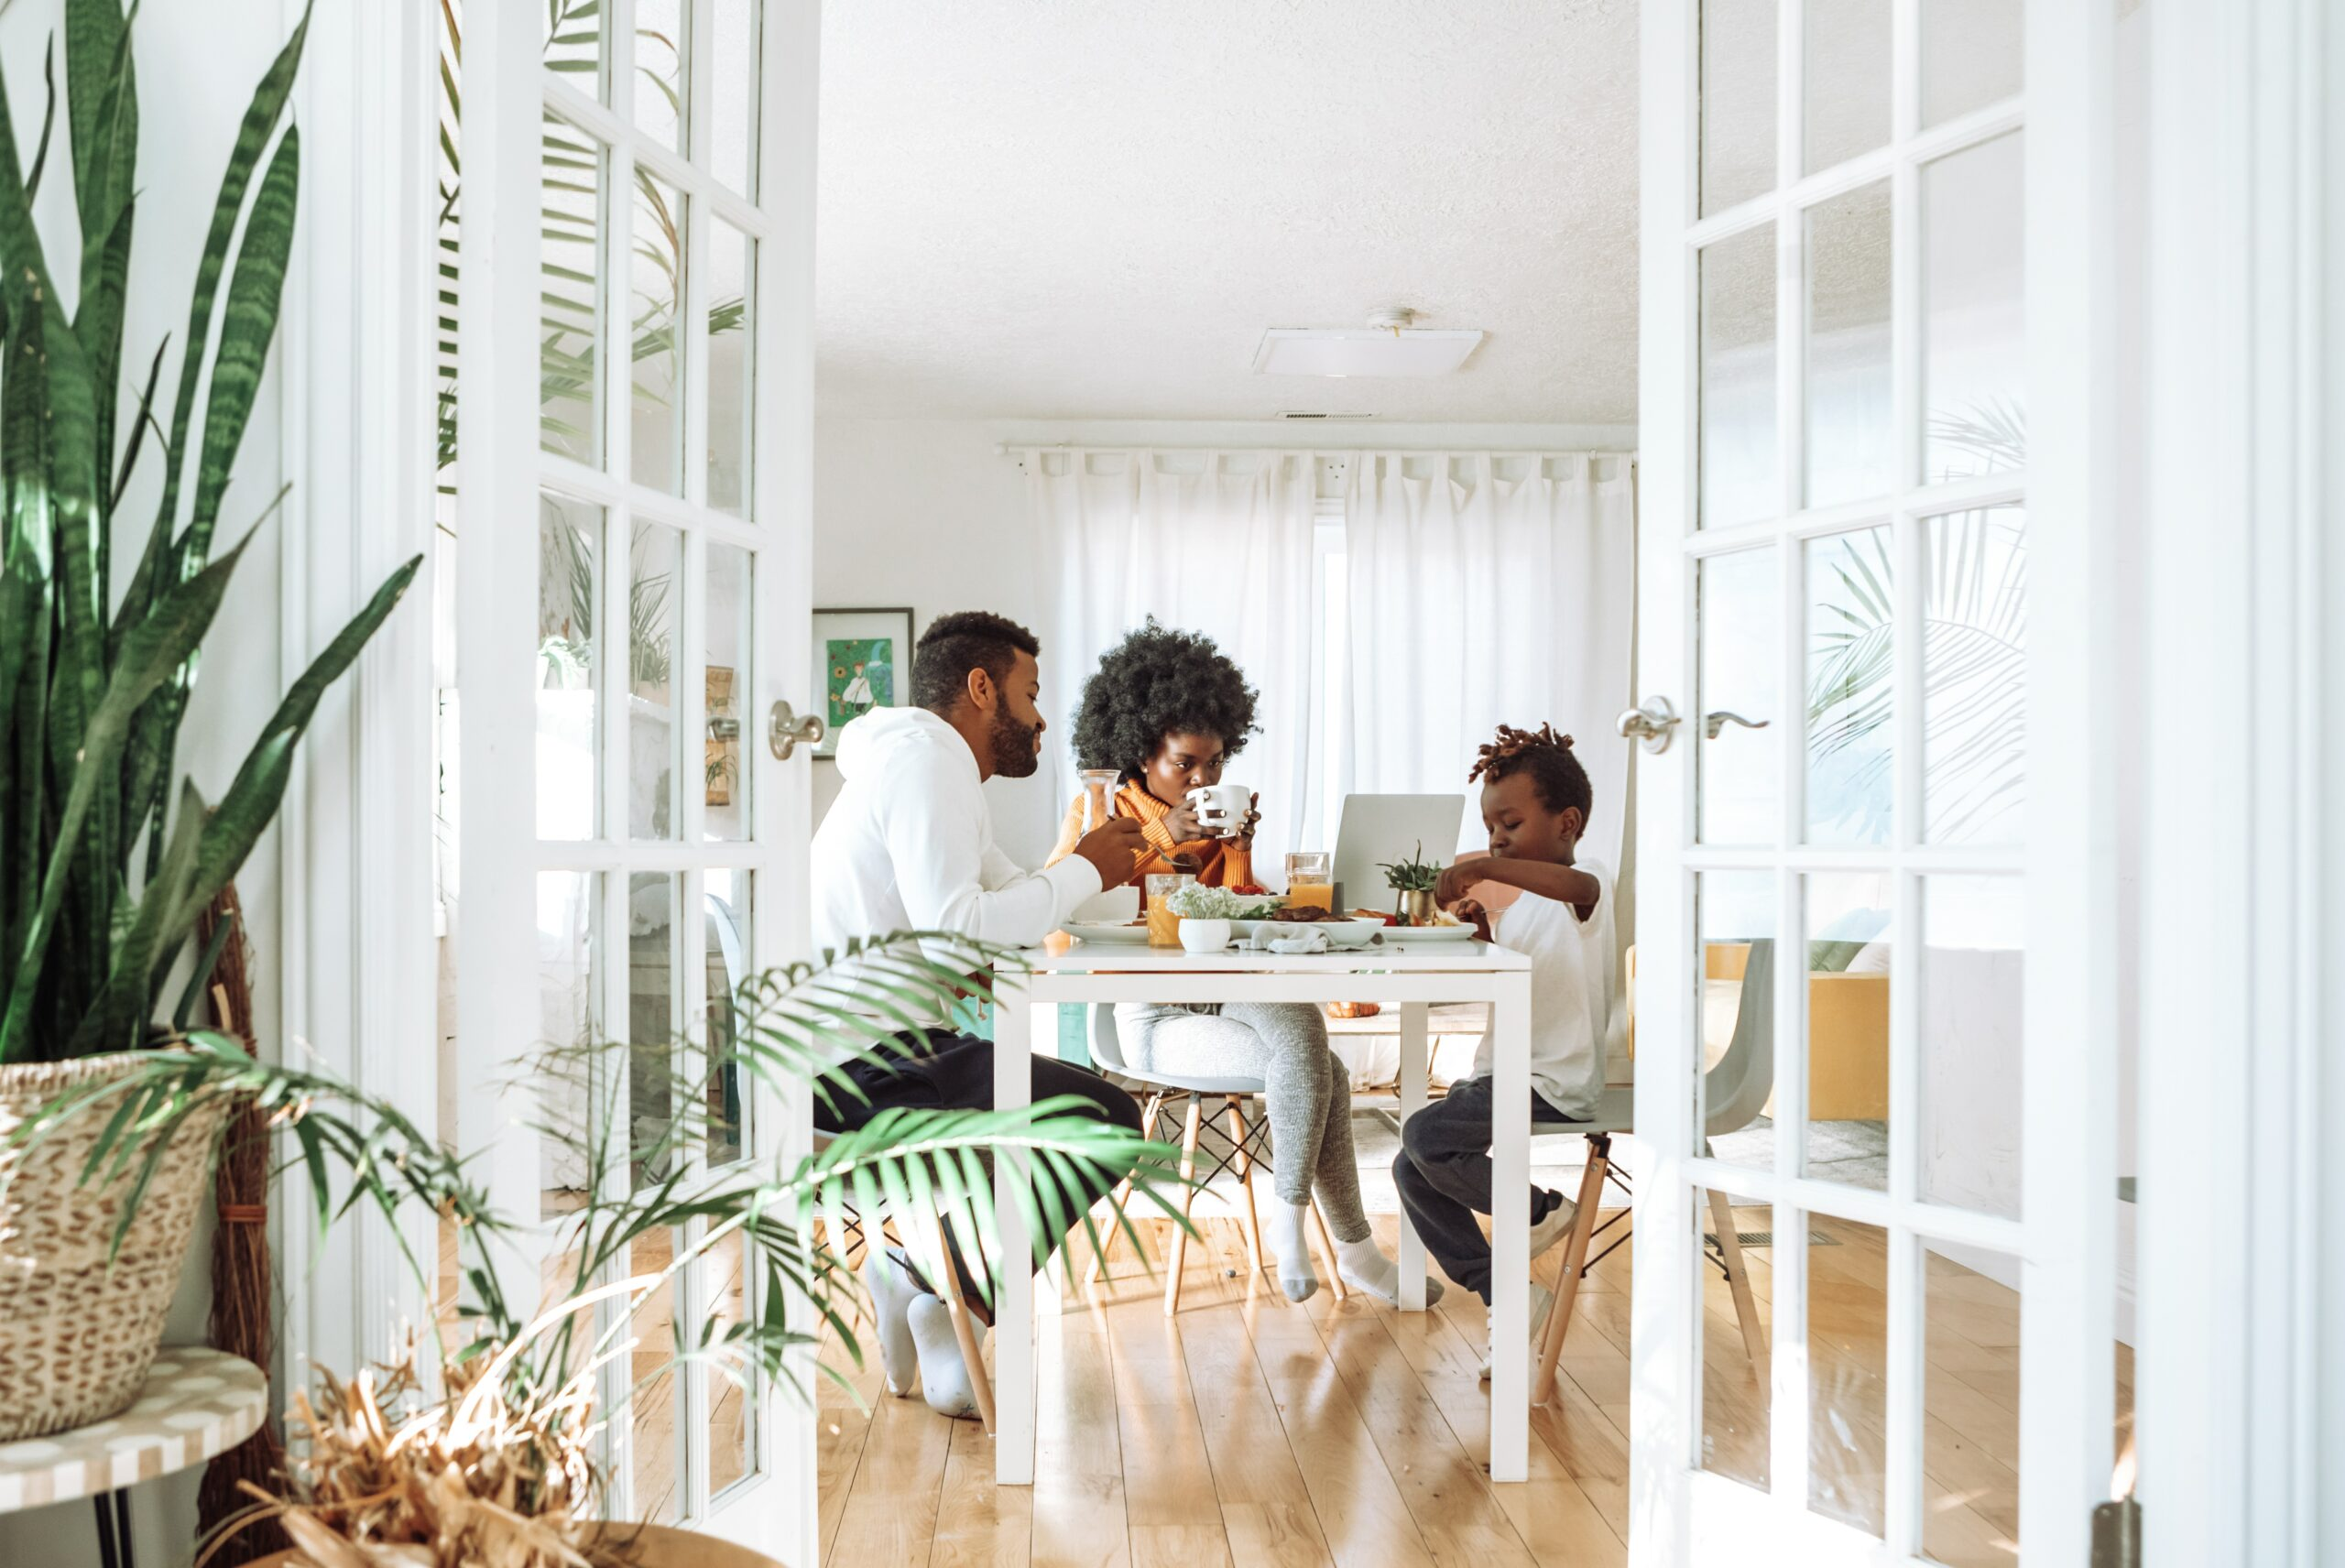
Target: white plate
(1429, 933)
(1349, 933)
(1128, 936)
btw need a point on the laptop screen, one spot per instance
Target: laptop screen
(1380, 829)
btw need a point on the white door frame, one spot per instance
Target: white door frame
(507, 92)
(2065, 1241)
(355, 963)
(2240, 1382)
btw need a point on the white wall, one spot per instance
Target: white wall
(197, 63)
(926, 513)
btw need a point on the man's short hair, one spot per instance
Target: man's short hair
(955, 644)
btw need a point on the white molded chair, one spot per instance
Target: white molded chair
(1735, 1089)
(1108, 1055)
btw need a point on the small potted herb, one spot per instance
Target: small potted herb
(1412, 882)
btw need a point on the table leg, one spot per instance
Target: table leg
(1013, 1328)
(1414, 1066)
(114, 1530)
(1511, 1229)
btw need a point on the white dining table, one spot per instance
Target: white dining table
(1393, 972)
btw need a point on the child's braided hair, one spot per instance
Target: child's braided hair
(1547, 757)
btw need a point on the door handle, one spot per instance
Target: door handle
(1650, 725)
(786, 731)
(1712, 723)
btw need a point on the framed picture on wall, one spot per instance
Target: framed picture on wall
(863, 658)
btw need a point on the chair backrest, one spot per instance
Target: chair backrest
(1106, 1046)
(1737, 1088)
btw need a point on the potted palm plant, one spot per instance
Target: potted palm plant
(107, 859)
(489, 1450)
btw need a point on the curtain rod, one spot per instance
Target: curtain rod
(1013, 449)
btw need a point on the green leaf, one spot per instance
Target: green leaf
(47, 119)
(252, 798)
(248, 324)
(117, 1019)
(95, 33)
(155, 646)
(206, 963)
(260, 121)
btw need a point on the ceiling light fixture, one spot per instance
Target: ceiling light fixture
(1390, 345)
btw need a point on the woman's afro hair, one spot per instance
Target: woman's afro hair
(1156, 683)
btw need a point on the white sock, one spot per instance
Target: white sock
(943, 1375)
(1364, 1265)
(1287, 1232)
(892, 1294)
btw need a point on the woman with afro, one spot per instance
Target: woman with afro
(1167, 710)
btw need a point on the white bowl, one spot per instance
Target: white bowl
(1205, 936)
(1350, 933)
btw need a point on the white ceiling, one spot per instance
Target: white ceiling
(1092, 208)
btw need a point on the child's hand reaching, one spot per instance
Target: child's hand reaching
(1471, 911)
(1456, 879)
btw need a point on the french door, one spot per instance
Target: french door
(632, 558)
(1862, 1042)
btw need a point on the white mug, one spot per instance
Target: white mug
(1222, 808)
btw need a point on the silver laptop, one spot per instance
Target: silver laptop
(1378, 830)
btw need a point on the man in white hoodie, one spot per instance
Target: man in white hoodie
(909, 845)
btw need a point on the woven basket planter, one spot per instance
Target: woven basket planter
(79, 1328)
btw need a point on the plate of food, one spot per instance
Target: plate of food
(1130, 934)
(1343, 930)
(1444, 928)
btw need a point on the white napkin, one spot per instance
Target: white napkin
(1303, 939)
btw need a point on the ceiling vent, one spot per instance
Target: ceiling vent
(1307, 414)
(1388, 345)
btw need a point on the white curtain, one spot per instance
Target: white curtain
(1487, 589)
(1205, 541)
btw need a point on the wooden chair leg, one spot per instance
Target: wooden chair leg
(1327, 1245)
(1121, 1195)
(1245, 1168)
(1746, 1309)
(1559, 1317)
(1188, 1197)
(965, 1331)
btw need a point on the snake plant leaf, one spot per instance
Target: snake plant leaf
(26, 604)
(117, 1020)
(139, 427)
(249, 321)
(252, 138)
(246, 325)
(94, 35)
(253, 797)
(20, 252)
(47, 119)
(156, 646)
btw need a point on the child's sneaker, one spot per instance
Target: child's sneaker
(1555, 1227)
(1542, 1302)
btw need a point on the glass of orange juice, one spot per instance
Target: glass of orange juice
(1311, 879)
(1163, 925)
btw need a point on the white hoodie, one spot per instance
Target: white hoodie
(909, 845)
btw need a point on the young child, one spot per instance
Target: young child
(1536, 802)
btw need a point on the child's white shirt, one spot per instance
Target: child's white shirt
(1572, 966)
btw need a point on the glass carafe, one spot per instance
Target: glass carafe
(1098, 797)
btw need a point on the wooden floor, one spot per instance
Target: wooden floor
(1249, 1431)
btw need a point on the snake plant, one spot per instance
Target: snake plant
(104, 861)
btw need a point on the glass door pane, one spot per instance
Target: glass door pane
(1841, 977)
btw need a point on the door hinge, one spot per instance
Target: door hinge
(2117, 1533)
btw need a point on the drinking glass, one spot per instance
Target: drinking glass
(1163, 925)
(1311, 879)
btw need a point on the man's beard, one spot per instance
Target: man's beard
(1016, 748)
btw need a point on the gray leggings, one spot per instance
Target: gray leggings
(1306, 1088)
